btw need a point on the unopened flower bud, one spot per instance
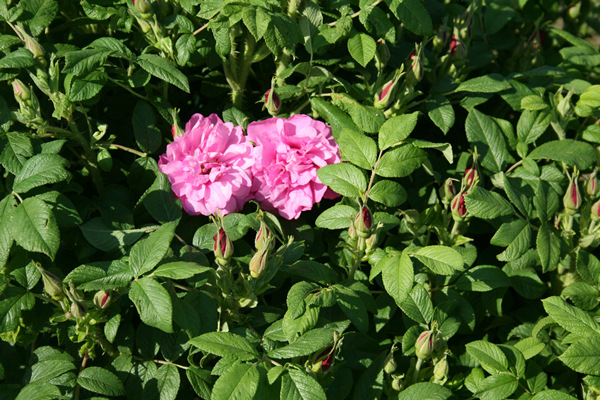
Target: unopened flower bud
(52, 285)
(595, 214)
(424, 345)
(471, 177)
(384, 98)
(144, 7)
(440, 371)
(382, 55)
(102, 299)
(272, 103)
(363, 222)
(591, 186)
(258, 262)
(21, 91)
(264, 237)
(371, 241)
(78, 309)
(390, 365)
(447, 191)
(76, 293)
(572, 198)
(397, 383)
(324, 360)
(459, 210)
(34, 47)
(415, 70)
(457, 47)
(223, 248)
(574, 11)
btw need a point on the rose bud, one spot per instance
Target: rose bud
(459, 210)
(385, 96)
(471, 177)
(447, 191)
(264, 237)
(21, 91)
(144, 7)
(77, 309)
(595, 215)
(424, 345)
(272, 103)
(440, 371)
(572, 198)
(223, 248)
(415, 71)
(76, 293)
(52, 285)
(382, 55)
(102, 299)
(258, 262)
(397, 383)
(363, 222)
(324, 360)
(390, 365)
(591, 186)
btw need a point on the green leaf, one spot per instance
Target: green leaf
(546, 201)
(283, 33)
(484, 134)
(569, 151)
(483, 278)
(548, 247)
(397, 274)
(311, 342)
(105, 238)
(362, 48)
(367, 119)
(516, 196)
(418, 305)
(588, 267)
(256, 20)
(225, 344)
(148, 252)
(357, 148)
(497, 387)
(19, 59)
(425, 391)
(353, 307)
(200, 379)
(44, 15)
(396, 129)
(101, 275)
(110, 43)
(400, 161)
(492, 359)
(16, 149)
(147, 136)
(82, 62)
(297, 385)
(533, 103)
(48, 369)
(531, 125)
(552, 394)
(296, 296)
(516, 235)
(86, 88)
(441, 112)
(571, 318)
(582, 356)
(101, 381)
(39, 391)
(445, 148)
(440, 259)
(153, 303)
(180, 270)
(389, 193)
(530, 347)
(413, 15)
(344, 179)
(482, 203)
(337, 217)
(491, 83)
(238, 383)
(41, 169)
(334, 116)
(166, 385)
(163, 69)
(35, 228)
(7, 205)
(14, 300)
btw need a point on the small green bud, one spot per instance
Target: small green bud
(397, 383)
(447, 191)
(258, 262)
(382, 55)
(424, 345)
(76, 293)
(78, 309)
(440, 371)
(52, 285)
(264, 237)
(591, 185)
(35, 48)
(144, 7)
(21, 91)
(384, 98)
(390, 365)
(572, 197)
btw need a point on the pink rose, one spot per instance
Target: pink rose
(209, 166)
(287, 155)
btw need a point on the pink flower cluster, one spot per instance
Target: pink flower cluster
(213, 166)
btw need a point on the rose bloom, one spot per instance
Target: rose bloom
(209, 166)
(287, 155)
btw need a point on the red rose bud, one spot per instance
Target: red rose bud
(415, 71)
(102, 299)
(471, 177)
(595, 215)
(457, 47)
(382, 55)
(52, 285)
(264, 237)
(447, 191)
(363, 222)
(424, 345)
(258, 262)
(536, 41)
(572, 198)
(223, 247)
(385, 96)
(272, 103)
(591, 186)
(459, 210)
(173, 130)
(324, 361)
(21, 91)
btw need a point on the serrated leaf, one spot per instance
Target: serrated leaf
(362, 48)
(441, 112)
(46, 370)
(397, 274)
(296, 296)
(396, 129)
(82, 62)
(530, 347)
(238, 383)
(87, 87)
(14, 301)
(353, 307)
(497, 387)
(491, 83)
(334, 116)
(163, 69)
(518, 245)
(105, 238)
(442, 260)
(516, 196)
(483, 278)
(367, 119)
(357, 148)
(16, 149)
(7, 205)
(256, 20)
(413, 15)
(148, 252)
(41, 169)
(344, 179)
(389, 193)
(531, 125)
(35, 228)
(153, 303)
(492, 359)
(147, 136)
(225, 344)
(482, 203)
(180, 270)
(18, 59)
(571, 318)
(400, 161)
(101, 381)
(337, 217)
(582, 356)
(39, 391)
(418, 305)
(166, 385)
(569, 151)
(101, 275)
(548, 247)
(297, 385)
(484, 134)
(311, 342)
(425, 391)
